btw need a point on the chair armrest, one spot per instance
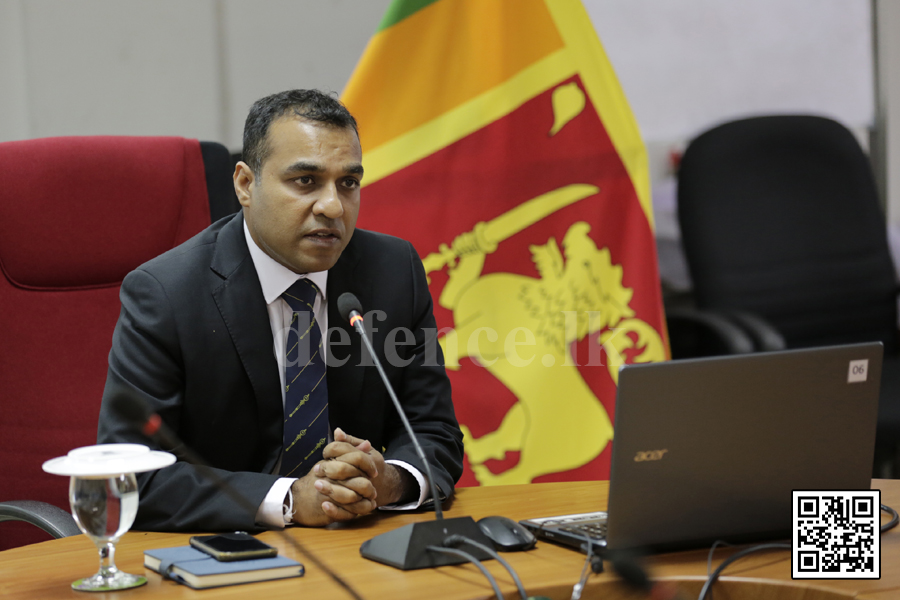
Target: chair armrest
(51, 519)
(694, 333)
(766, 338)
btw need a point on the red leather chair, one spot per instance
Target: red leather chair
(76, 215)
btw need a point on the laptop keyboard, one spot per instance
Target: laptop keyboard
(572, 530)
(595, 531)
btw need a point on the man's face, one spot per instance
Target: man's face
(301, 207)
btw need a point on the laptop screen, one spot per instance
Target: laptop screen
(712, 448)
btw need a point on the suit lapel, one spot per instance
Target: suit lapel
(240, 301)
(345, 381)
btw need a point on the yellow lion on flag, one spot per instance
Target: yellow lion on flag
(522, 330)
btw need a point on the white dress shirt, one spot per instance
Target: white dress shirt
(276, 509)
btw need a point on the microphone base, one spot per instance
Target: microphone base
(405, 548)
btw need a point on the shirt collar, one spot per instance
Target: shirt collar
(274, 277)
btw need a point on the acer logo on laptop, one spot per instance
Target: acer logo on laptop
(649, 455)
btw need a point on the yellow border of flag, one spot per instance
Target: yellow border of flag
(582, 54)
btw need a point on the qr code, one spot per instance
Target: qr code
(836, 535)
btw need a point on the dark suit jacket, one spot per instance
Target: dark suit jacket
(193, 340)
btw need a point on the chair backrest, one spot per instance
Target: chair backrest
(780, 217)
(219, 164)
(76, 215)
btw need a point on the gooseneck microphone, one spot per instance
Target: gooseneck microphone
(351, 310)
(138, 412)
(407, 547)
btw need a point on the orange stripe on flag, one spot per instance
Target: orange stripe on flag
(458, 49)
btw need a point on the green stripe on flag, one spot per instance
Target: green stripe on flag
(400, 9)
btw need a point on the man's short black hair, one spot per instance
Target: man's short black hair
(308, 104)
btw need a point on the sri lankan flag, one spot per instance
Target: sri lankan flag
(497, 140)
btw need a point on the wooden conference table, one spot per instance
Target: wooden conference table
(45, 570)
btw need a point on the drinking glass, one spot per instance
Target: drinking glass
(104, 508)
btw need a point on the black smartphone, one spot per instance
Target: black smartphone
(233, 546)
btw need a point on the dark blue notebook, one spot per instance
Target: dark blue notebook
(198, 570)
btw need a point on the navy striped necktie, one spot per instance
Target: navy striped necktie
(305, 388)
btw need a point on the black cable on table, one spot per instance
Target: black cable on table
(758, 548)
(588, 567)
(894, 518)
(474, 561)
(453, 540)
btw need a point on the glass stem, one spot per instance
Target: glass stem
(108, 560)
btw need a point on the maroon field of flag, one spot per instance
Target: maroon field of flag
(497, 139)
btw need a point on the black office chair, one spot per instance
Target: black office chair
(218, 164)
(781, 223)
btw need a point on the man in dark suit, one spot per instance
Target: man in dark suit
(201, 338)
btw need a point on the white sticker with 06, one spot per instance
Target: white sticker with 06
(859, 370)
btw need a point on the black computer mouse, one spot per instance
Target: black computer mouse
(506, 534)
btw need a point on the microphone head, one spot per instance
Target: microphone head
(347, 303)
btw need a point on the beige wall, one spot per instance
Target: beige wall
(168, 67)
(888, 143)
(192, 67)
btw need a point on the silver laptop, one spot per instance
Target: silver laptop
(710, 449)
